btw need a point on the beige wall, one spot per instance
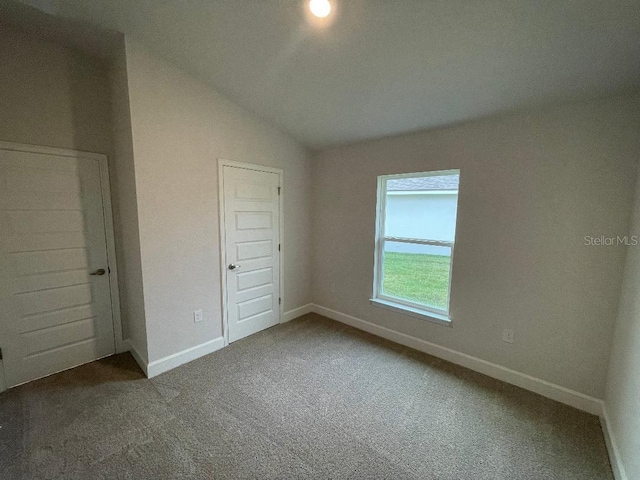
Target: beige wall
(52, 95)
(180, 128)
(623, 385)
(532, 186)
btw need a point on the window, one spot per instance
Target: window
(416, 225)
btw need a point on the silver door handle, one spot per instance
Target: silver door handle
(233, 266)
(100, 271)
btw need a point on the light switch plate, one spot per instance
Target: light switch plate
(197, 316)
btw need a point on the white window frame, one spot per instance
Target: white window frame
(400, 305)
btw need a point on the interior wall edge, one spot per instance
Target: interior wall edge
(135, 353)
(2, 384)
(296, 312)
(615, 458)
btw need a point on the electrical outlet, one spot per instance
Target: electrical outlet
(197, 316)
(507, 335)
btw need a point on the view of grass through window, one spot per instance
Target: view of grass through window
(420, 278)
(414, 249)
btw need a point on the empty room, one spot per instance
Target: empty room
(324, 239)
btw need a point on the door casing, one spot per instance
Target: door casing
(223, 270)
(120, 344)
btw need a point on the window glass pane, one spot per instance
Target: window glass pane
(417, 273)
(422, 207)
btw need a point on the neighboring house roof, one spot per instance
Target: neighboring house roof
(440, 182)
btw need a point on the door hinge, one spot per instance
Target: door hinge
(0, 354)
(279, 303)
(278, 190)
(278, 247)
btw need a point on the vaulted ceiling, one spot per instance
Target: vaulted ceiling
(381, 67)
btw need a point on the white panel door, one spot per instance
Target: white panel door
(55, 308)
(252, 238)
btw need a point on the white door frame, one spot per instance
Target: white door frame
(223, 252)
(120, 345)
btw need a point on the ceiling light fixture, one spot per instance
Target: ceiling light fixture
(320, 8)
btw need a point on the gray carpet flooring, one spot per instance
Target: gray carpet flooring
(308, 399)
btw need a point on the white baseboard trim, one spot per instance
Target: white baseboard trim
(297, 312)
(612, 447)
(172, 361)
(542, 387)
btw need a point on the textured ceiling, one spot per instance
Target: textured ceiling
(381, 67)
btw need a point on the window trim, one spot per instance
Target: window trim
(399, 305)
(412, 312)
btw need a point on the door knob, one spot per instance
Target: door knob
(233, 266)
(100, 271)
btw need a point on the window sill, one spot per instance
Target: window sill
(413, 312)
